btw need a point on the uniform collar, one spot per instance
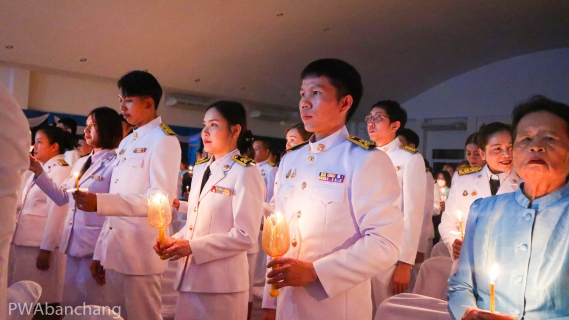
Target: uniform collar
(502, 176)
(262, 163)
(328, 142)
(543, 202)
(393, 145)
(95, 156)
(139, 132)
(52, 162)
(224, 161)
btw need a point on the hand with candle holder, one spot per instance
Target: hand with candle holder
(159, 214)
(276, 241)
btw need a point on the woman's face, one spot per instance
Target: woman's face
(498, 153)
(441, 180)
(218, 136)
(91, 132)
(43, 150)
(541, 149)
(293, 138)
(473, 156)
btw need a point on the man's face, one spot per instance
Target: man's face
(320, 109)
(379, 127)
(261, 153)
(135, 109)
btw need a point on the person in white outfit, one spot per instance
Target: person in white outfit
(339, 194)
(147, 163)
(15, 137)
(296, 134)
(103, 132)
(34, 255)
(384, 121)
(225, 207)
(496, 177)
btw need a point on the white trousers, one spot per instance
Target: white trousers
(137, 296)
(79, 287)
(22, 266)
(200, 306)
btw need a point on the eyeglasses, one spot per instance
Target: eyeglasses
(375, 118)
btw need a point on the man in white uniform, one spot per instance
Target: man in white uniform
(339, 194)
(383, 123)
(15, 137)
(147, 163)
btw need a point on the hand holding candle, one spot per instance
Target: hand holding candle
(159, 214)
(493, 274)
(276, 240)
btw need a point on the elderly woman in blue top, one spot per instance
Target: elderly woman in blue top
(524, 232)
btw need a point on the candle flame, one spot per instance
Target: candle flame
(459, 215)
(76, 174)
(494, 272)
(455, 232)
(190, 168)
(279, 216)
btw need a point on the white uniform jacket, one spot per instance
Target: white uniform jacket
(340, 200)
(147, 162)
(410, 169)
(40, 220)
(428, 229)
(80, 229)
(464, 190)
(268, 172)
(223, 223)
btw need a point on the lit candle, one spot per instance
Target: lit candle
(460, 227)
(493, 274)
(276, 240)
(191, 168)
(76, 174)
(159, 214)
(187, 188)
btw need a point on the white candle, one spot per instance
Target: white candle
(460, 227)
(493, 274)
(76, 174)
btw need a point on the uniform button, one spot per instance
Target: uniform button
(303, 185)
(524, 247)
(298, 214)
(527, 216)
(123, 159)
(110, 227)
(117, 180)
(311, 158)
(321, 147)
(191, 227)
(70, 221)
(294, 242)
(195, 209)
(519, 278)
(309, 148)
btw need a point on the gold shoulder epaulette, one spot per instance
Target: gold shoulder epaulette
(427, 169)
(244, 161)
(361, 142)
(297, 146)
(202, 160)
(468, 170)
(167, 129)
(272, 164)
(409, 149)
(63, 163)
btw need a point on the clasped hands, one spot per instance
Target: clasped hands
(477, 314)
(172, 249)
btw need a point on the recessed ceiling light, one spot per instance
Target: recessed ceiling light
(197, 80)
(280, 14)
(9, 46)
(326, 29)
(83, 59)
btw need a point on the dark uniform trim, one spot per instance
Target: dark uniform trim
(297, 146)
(244, 161)
(202, 160)
(409, 149)
(63, 163)
(167, 129)
(468, 170)
(361, 142)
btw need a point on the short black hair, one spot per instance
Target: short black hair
(410, 135)
(109, 127)
(342, 75)
(57, 135)
(266, 143)
(540, 103)
(472, 139)
(140, 83)
(487, 130)
(69, 123)
(394, 111)
(234, 113)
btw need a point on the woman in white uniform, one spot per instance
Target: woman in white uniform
(225, 206)
(103, 132)
(33, 253)
(496, 177)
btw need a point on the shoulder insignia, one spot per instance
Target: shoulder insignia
(468, 170)
(272, 164)
(297, 146)
(409, 149)
(427, 169)
(463, 166)
(244, 161)
(63, 163)
(361, 142)
(167, 129)
(202, 160)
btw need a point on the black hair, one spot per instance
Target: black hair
(488, 130)
(235, 114)
(266, 143)
(69, 123)
(57, 135)
(343, 76)
(394, 111)
(301, 130)
(139, 83)
(109, 127)
(446, 175)
(540, 103)
(472, 139)
(409, 135)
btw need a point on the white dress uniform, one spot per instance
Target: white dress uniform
(147, 162)
(80, 229)
(223, 223)
(15, 137)
(470, 184)
(341, 200)
(427, 229)
(410, 168)
(39, 226)
(71, 156)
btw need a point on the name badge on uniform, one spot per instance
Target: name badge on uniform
(397, 168)
(96, 177)
(331, 177)
(139, 150)
(221, 190)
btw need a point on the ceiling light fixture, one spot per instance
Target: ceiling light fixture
(9, 46)
(197, 80)
(280, 14)
(83, 59)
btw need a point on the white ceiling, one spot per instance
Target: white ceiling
(247, 50)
